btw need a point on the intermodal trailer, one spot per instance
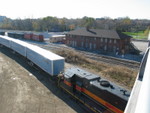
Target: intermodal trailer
(46, 60)
(19, 35)
(19, 46)
(11, 34)
(2, 33)
(38, 37)
(28, 36)
(6, 41)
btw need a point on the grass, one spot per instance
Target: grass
(137, 35)
(118, 74)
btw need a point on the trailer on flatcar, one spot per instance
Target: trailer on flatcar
(97, 94)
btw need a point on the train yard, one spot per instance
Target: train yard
(99, 64)
(30, 52)
(74, 81)
(97, 57)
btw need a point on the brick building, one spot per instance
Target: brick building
(100, 40)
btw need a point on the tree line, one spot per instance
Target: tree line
(54, 24)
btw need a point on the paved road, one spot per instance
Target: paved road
(141, 45)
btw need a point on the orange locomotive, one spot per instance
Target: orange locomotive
(96, 93)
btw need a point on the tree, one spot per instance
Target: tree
(63, 24)
(88, 22)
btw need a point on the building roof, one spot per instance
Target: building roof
(99, 33)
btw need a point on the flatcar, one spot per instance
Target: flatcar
(96, 94)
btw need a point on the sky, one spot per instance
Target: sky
(134, 9)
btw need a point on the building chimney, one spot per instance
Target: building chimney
(87, 28)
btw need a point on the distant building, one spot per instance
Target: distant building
(101, 40)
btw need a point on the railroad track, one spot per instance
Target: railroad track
(93, 56)
(113, 60)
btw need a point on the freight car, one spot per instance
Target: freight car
(38, 37)
(96, 94)
(33, 36)
(12, 34)
(2, 33)
(17, 35)
(28, 36)
(46, 60)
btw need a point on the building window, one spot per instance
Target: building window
(101, 40)
(81, 44)
(95, 38)
(110, 41)
(86, 39)
(90, 45)
(114, 41)
(105, 47)
(94, 46)
(72, 43)
(86, 45)
(68, 42)
(75, 43)
(105, 40)
(114, 49)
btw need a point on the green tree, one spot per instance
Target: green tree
(88, 22)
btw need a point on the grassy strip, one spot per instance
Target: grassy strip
(119, 74)
(137, 35)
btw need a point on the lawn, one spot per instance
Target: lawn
(137, 35)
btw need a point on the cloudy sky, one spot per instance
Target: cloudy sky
(135, 9)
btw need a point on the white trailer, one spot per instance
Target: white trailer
(19, 47)
(5, 41)
(46, 60)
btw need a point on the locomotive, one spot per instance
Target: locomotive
(95, 93)
(100, 94)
